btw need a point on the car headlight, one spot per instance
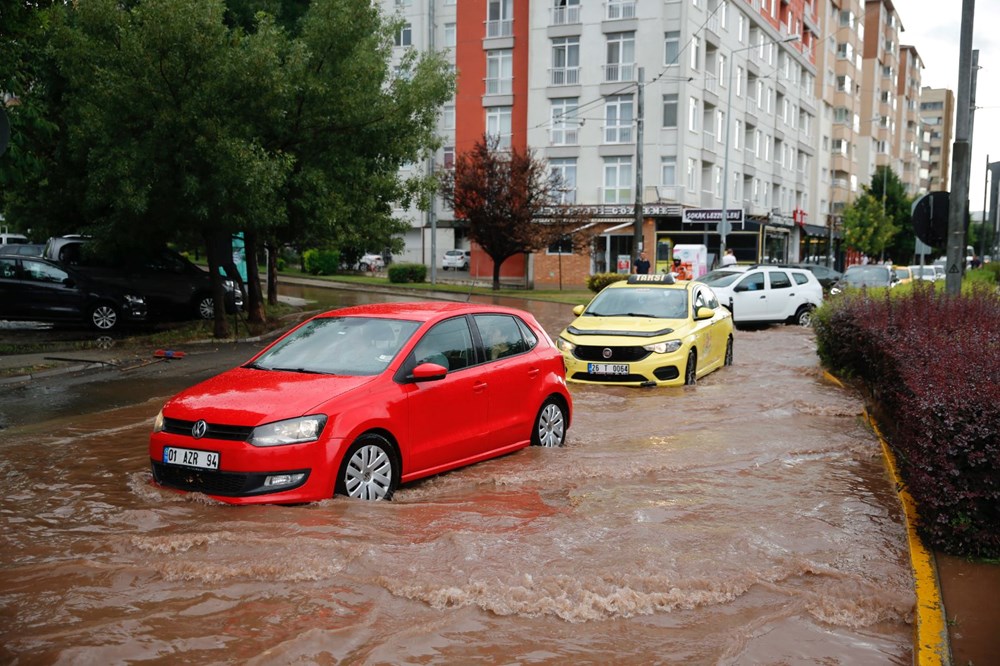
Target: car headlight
(158, 422)
(564, 345)
(292, 431)
(663, 347)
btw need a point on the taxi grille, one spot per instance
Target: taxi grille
(618, 354)
(214, 431)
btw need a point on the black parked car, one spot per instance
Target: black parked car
(174, 287)
(35, 289)
(826, 276)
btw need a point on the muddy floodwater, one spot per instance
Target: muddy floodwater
(745, 520)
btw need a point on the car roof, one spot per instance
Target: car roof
(420, 310)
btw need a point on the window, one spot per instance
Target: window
(564, 171)
(449, 157)
(448, 344)
(562, 246)
(722, 71)
(499, 72)
(670, 110)
(404, 35)
(693, 114)
(620, 57)
(671, 49)
(566, 61)
(720, 125)
(448, 117)
(741, 28)
(566, 11)
(565, 123)
(692, 175)
(617, 180)
(695, 44)
(737, 133)
(779, 280)
(498, 125)
(717, 179)
(618, 119)
(668, 170)
(739, 81)
(499, 18)
(449, 35)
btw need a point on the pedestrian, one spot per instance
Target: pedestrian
(728, 259)
(642, 264)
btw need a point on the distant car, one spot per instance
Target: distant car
(903, 274)
(370, 262)
(939, 271)
(456, 259)
(359, 400)
(868, 276)
(925, 273)
(23, 249)
(648, 330)
(827, 276)
(766, 294)
(175, 288)
(12, 239)
(34, 289)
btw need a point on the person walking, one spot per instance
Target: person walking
(642, 264)
(728, 259)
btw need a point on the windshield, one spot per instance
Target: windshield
(339, 346)
(639, 302)
(720, 278)
(867, 275)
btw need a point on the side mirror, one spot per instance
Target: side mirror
(739, 287)
(427, 372)
(578, 310)
(704, 313)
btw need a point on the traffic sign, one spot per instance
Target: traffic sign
(929, 216)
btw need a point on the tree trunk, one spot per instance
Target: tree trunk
(272, 273)
(496, 275)
(216, 257)
(255, 300)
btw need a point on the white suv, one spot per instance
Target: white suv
(766, 294)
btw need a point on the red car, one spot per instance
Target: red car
(359, 400)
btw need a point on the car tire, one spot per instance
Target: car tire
(370, 469)
(550, 425)
(803, 316)
(104, 317)
(363, 267)
(205, 307)
(691, 369)
(729, 351)
(465, 267)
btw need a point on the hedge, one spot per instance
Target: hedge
(399, 273)
(930, 366)
(321, 262)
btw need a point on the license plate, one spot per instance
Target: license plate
(607, 368)
(191, 457)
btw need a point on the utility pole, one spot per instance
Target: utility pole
(431, 216)
(960, 166)
(637, 232)
(982, 227)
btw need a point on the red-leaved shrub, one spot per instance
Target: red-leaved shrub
(930, 365)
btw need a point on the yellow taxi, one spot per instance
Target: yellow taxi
(648, 330)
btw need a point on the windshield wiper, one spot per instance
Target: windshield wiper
(306, 371)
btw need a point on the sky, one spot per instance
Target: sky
(934, 27)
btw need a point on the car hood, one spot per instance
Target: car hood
(250, 397)
(634, 327)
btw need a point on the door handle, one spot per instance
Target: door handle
(532, 373)
(479, 387)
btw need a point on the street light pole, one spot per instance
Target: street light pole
(724, 226)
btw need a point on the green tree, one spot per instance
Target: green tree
(886, 185)
(175, 120)
(867, 227)
(509, 199)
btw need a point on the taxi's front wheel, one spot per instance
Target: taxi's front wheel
(691, 371)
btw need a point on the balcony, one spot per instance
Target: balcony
(617, 10)
(499, 28)
(566, 76)
(502, 86)
(618, 133)
(566, 15)
(564, 136)
(619, 72)
(615, 195)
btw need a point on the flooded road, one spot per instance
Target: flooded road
(744, 520)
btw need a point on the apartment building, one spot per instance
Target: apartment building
(696, 106)
(937, 116)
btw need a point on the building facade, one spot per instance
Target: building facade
(937, 115)
(659, 116)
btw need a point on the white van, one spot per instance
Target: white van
(12, 239)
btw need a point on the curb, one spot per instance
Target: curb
(930, 631)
